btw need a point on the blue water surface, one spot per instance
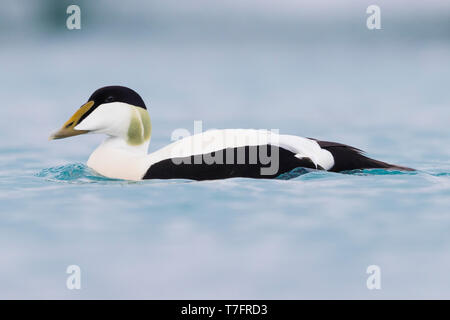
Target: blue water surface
(309, 236)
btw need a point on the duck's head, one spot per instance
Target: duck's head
(116, 111)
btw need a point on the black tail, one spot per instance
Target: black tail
(351, 158)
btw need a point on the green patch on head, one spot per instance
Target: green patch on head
(140, 127)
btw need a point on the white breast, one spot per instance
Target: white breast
(115, 159)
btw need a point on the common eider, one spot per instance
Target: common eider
(121, 114)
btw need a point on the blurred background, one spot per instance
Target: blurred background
(309, 68)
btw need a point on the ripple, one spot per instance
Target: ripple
(379, 172)
(80, 173)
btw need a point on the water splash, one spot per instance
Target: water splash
(294, 173)
(80, 173)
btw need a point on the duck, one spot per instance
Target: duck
(121, 114)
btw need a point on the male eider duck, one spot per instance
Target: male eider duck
(121, 114)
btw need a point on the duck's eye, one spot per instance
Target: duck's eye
(109, 99)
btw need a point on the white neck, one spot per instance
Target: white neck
(115, 158)
(121, 144)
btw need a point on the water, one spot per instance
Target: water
(310, 236)
(307, 234)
